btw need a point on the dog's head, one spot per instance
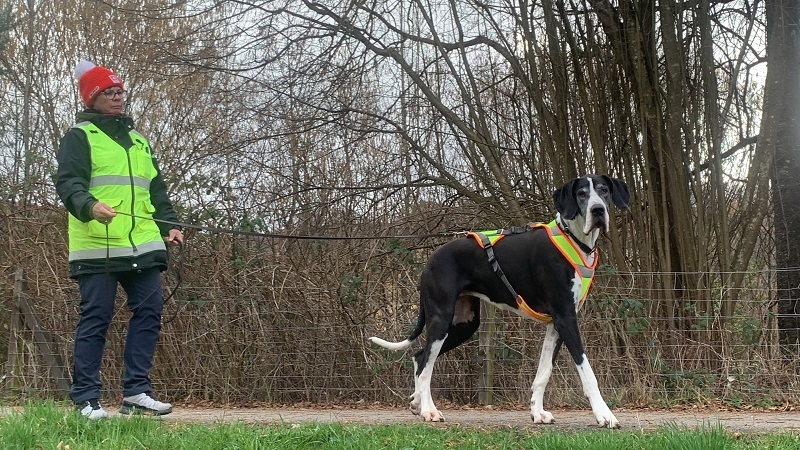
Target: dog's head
(587, 198)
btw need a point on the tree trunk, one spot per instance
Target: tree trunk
(781, 104)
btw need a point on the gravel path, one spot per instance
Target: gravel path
(566, 420)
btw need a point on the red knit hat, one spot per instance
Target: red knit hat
(93, 79)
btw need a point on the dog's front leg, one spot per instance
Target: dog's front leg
(604, 416)
(567, 328)
(538, 414)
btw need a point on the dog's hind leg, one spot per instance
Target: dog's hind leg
(543, 372)
(460, 324)
(466, 320)
(421, 401)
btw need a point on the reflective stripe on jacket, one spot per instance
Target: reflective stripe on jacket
(120, 178)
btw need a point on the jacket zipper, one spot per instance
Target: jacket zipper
(133, 201)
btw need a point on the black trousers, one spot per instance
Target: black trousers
(98, 292)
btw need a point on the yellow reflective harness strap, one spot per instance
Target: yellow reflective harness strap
(483, 238)
(573, 256)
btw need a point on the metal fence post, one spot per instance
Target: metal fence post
(13, 365)
(24, 316)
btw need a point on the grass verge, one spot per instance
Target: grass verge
(56, 426)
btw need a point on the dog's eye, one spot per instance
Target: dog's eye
(583, 193)
(602, 190)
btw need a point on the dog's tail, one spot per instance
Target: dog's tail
(404, 344)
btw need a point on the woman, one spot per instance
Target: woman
(104, 167)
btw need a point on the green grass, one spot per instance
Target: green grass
(54, 426)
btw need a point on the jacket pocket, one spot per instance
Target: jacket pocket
(144, 162)
(146, 209)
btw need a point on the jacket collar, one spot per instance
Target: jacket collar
(111, 124)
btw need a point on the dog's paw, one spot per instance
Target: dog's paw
(607, 420)
(542, 417)
(432, 415)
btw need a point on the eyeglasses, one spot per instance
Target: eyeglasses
(111, 93)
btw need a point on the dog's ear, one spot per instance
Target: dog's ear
(619, 192)
(565, 201)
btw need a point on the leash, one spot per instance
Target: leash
(177, 270)
(291, 236)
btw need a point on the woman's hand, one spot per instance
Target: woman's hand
(175, 237)
(103, 213)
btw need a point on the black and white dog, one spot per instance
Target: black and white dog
(529, 273)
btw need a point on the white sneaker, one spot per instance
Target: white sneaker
(144, 404)
(91, 409)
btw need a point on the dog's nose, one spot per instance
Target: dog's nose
(598, 210)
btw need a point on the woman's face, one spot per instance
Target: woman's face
(110, 101)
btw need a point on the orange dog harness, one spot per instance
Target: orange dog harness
(487, 240)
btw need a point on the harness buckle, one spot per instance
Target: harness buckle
(490, 255)
(512, 230)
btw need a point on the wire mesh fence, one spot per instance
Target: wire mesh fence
(648, 339)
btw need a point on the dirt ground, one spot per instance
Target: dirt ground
(566, 420)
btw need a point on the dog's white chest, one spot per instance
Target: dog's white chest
(577, 291)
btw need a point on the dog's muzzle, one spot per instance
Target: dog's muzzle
(598, 218)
